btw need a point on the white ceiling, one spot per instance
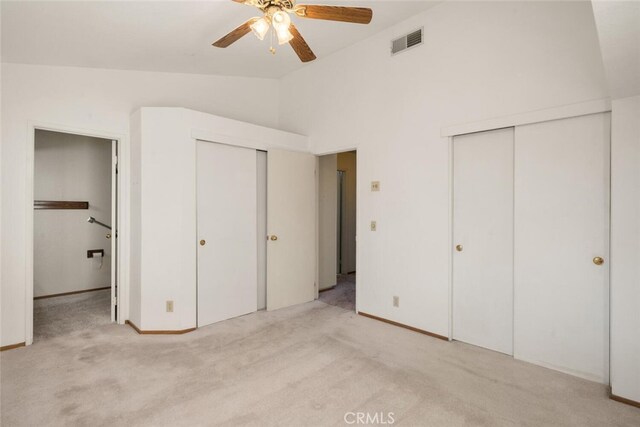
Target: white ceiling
(172, 36)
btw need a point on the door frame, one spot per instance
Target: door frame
(358, 213)
(340, 214)
(122, 217)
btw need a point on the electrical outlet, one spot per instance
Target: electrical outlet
(375, 185)
(169, 306)
(396, 301)
(374, 226)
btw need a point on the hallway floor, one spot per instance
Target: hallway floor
(343, 294)
(307, 365)
(59, 316)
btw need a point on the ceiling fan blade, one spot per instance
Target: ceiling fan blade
(236, 34)
(357, 15)
(300, 46)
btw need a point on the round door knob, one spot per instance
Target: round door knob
(108, 236)
(598, 260)
(203, 242)
(459, 248)
(274, 238)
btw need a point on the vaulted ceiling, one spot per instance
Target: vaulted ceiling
(172, 36)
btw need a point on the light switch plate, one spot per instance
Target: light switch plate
(396, 301)
(169, 306)
(374, 226)
(375, 185)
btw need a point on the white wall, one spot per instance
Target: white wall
(347, 162)
(92, 100)
(618, 24)
(77, 168)
(479, 60)
(327, 221)
(625, 248)
(163, 190)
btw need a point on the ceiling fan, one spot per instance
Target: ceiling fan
(276, 18)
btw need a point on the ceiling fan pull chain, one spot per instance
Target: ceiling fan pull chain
(271, 48)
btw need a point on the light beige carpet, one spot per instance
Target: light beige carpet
(303, 366)
(63, 315)
(343, 294)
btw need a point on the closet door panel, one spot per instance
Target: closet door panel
(483, 239)
(561, 227)
(227, 232)
(291, 224)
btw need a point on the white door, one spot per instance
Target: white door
(327, 221)
(227, 231)
(114, 230)
(483, 239)
(561, 228)
(291, 224)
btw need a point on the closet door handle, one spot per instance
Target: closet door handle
(274, 238)
(459, 248)
(598, 260)
(203, 242)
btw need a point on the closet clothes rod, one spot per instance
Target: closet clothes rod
(53, 204)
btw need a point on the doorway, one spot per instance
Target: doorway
(337, 184)
(74, 233)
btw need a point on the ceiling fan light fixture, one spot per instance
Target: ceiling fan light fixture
(281, 21)
(260, 28)
(284, 36)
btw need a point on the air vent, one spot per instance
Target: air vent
(408, 41)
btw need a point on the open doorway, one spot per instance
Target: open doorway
(337, 229)
(74, 266)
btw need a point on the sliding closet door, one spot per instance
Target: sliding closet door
(561, 245)
(291, 221)
(227, 232)
(483, 239)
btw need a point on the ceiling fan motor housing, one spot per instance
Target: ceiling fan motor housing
(265, 5)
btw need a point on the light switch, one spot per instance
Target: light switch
(169, 306)
(375, 185)
(374, 226)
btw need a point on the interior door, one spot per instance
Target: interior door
(291, 224)
(227, 231)
(483, 239)
(561, 237)
(114, 230)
